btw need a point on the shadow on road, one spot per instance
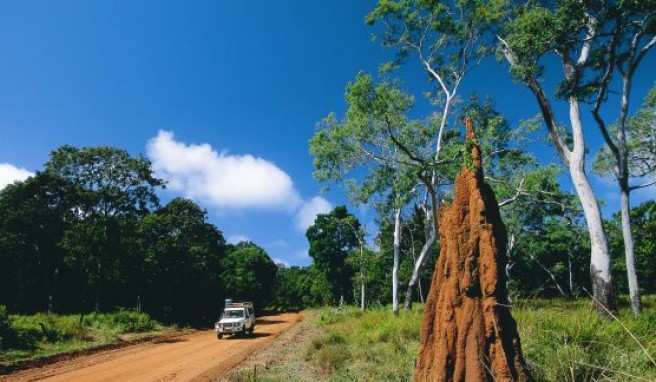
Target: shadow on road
(264, 321)
(242, 337)
(169, 340)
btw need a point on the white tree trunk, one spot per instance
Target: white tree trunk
(362, 281)
(419, 264)
(600, 265)
(623, 180)
(636, 305)
(395, 267)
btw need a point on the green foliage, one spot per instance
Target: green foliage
(376, 149)
(34, 214)
(122, 321)
(112, 191)
(249, 274)
(5, 327)
(181, 263)
(30, 336)
(332, 237)
(555, 246)
(447, 34)
(640, 135)
(643, 224)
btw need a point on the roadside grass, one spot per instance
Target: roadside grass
(566, 341)
(30, 337)
(562, 340)
(282, 360)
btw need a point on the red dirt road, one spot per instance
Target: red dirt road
(194, 357)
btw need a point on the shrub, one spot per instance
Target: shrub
(5, 326)
(122, 321)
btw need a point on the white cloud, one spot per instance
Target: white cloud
(235, 239)
(10, 173)
(218, 179)
(309, 210)
(281, 261)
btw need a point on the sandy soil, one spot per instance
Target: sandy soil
(195, 357)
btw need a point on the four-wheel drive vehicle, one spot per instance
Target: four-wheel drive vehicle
(237, 318)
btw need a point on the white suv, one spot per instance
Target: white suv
(237, 318)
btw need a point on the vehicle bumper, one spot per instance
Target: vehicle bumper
(230, 330)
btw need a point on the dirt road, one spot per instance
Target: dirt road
(194, 357)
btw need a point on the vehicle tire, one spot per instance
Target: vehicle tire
(219, 336)
(251, 330)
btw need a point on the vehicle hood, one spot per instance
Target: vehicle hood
(230, 320)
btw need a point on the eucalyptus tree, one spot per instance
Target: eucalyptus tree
(631, 26)
(446, 39)
(632, 157)
(590, 40)
(376, 150)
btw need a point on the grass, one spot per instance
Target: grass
(282, 360)
(565, 340)
(30, 337)
(562, 341)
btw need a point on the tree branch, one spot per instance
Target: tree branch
(644, 185)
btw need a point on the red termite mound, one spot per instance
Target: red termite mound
(468, 333)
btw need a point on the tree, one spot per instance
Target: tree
(377, 150)
(331, 240)
(643, 223)
(289, 291)
(180, 264)
(446, 38)
(34, 214)
(249, 274)
(112, 191)
(634, 157)
(583, 36)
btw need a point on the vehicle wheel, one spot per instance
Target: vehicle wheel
(219, 336)
(251, 330)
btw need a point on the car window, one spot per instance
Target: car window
(233, 314)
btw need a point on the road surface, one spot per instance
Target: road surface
(194, 357)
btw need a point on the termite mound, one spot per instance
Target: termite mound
(467, 332)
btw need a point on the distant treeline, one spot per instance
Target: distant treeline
(88, 233)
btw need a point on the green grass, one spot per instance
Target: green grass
(371, 346)
(25, 337)
(562, 341)
(565, 340)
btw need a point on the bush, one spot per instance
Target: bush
(122, 321)
(5, 327)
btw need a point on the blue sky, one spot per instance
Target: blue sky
(210, 88)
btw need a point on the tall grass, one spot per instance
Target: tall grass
(566, 341)
(562, 340)
(372, 346)
(27, 336)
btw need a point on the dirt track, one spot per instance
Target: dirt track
(195, 357)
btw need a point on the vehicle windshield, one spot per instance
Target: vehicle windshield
(233, 314)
